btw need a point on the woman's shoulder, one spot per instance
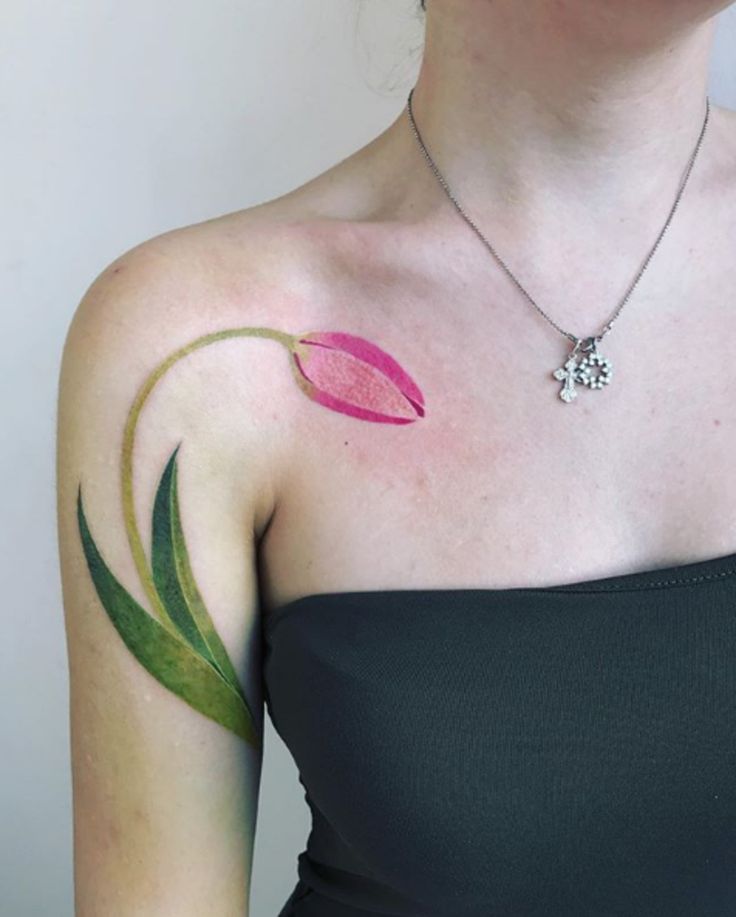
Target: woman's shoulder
(282, 254)
(257, 261)
(245, 282)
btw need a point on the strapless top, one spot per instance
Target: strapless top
(560, 751)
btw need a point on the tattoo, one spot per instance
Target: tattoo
(178, 643)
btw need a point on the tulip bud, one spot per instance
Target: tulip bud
(351, 375)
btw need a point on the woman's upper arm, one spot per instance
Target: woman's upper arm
(160, 490)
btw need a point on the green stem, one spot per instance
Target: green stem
(134, 538)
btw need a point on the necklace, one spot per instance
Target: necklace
(592, 370)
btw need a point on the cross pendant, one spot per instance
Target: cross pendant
(569, 375)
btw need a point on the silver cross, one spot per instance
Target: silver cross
(569, 374)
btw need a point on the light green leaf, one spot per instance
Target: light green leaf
(174, 579)
(164, 654)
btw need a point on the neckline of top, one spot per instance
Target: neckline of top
(687, 574)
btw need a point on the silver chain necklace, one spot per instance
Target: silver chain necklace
(593, 370)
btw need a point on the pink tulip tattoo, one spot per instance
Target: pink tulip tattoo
(178, 643)
(351, 375)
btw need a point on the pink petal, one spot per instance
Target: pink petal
(345, 382)
(370, 353)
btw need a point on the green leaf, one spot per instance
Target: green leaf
(164, 654)
(174, 579)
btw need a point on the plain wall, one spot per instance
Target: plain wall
(120, 121)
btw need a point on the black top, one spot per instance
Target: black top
(565, 751)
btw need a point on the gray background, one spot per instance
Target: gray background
(119, 121)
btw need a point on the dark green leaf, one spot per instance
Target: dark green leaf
(164, 654)
(174, 579)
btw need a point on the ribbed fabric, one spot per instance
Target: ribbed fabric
(564, 751)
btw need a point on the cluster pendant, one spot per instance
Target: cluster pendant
(593, 370)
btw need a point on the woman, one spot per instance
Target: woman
(484, 575)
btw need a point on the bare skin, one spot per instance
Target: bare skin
(500, 485)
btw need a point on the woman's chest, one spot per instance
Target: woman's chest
(501, 483)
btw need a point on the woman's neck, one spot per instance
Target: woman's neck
(522, 102)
